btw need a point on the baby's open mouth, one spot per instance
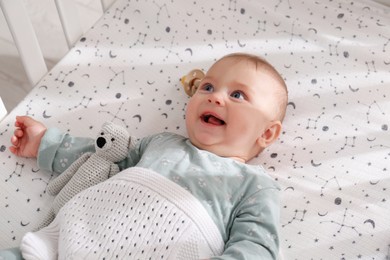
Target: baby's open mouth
(211, 119)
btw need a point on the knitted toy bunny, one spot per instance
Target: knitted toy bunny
(112, 145)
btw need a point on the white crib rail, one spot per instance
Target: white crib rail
(25, 38)
(69, 20)
(106, 4)
(3, 111)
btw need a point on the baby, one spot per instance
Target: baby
(187, 198)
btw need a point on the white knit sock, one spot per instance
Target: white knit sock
(41, 245)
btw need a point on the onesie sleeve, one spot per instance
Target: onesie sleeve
(59, 150)
(254, 232)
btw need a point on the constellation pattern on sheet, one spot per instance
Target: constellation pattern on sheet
(349, 141)
(342, 224)
(18, 170)
(170, 50)
(161, 8)
(117, 75)
(29, 109)
(84, 102)
(232, 5)
(379, 146)
(361, 24)
(335, 88)
(118, 12)
(334, 48)
(281, 2)
(328, 182)
(3, 131)
(261, 27)
(227, 45)
(386, 43)
(293, 34)
(44, 181)
(62, 76)
(140, 40)
(295, 162)
(370, 67)
(312, 123)
(299, 215)
(97, 49)
(115, 115)
(371, 106)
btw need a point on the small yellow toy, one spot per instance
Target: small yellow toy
(191, 81)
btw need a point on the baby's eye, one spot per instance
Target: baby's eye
(208, 87)
(112, 139)
(237, 94)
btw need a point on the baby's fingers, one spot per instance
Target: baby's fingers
(18, 133)
(13, 150)
(18, 123)
(15, 145)
(15, 141)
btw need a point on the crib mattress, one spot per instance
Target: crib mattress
(332, 159)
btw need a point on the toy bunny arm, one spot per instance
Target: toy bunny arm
(56, 185)
(114, 169)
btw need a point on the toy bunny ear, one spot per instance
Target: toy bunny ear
(106, 124)
(191, 81)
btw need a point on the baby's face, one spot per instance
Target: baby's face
(233, 110)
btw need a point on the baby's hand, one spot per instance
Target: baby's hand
(27, 136)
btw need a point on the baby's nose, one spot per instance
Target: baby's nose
(217, 99)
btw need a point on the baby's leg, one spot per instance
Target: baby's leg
(41, 245)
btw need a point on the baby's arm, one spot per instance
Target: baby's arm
(55, 150)
(254, 232)
(27, 137)
(32, 139)
(59, 150)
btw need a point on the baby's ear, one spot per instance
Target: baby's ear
(270, 135)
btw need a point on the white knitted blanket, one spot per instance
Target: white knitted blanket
(137, 214)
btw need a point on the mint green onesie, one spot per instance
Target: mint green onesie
(242, 199)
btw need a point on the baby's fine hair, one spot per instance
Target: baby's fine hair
(261, 63)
